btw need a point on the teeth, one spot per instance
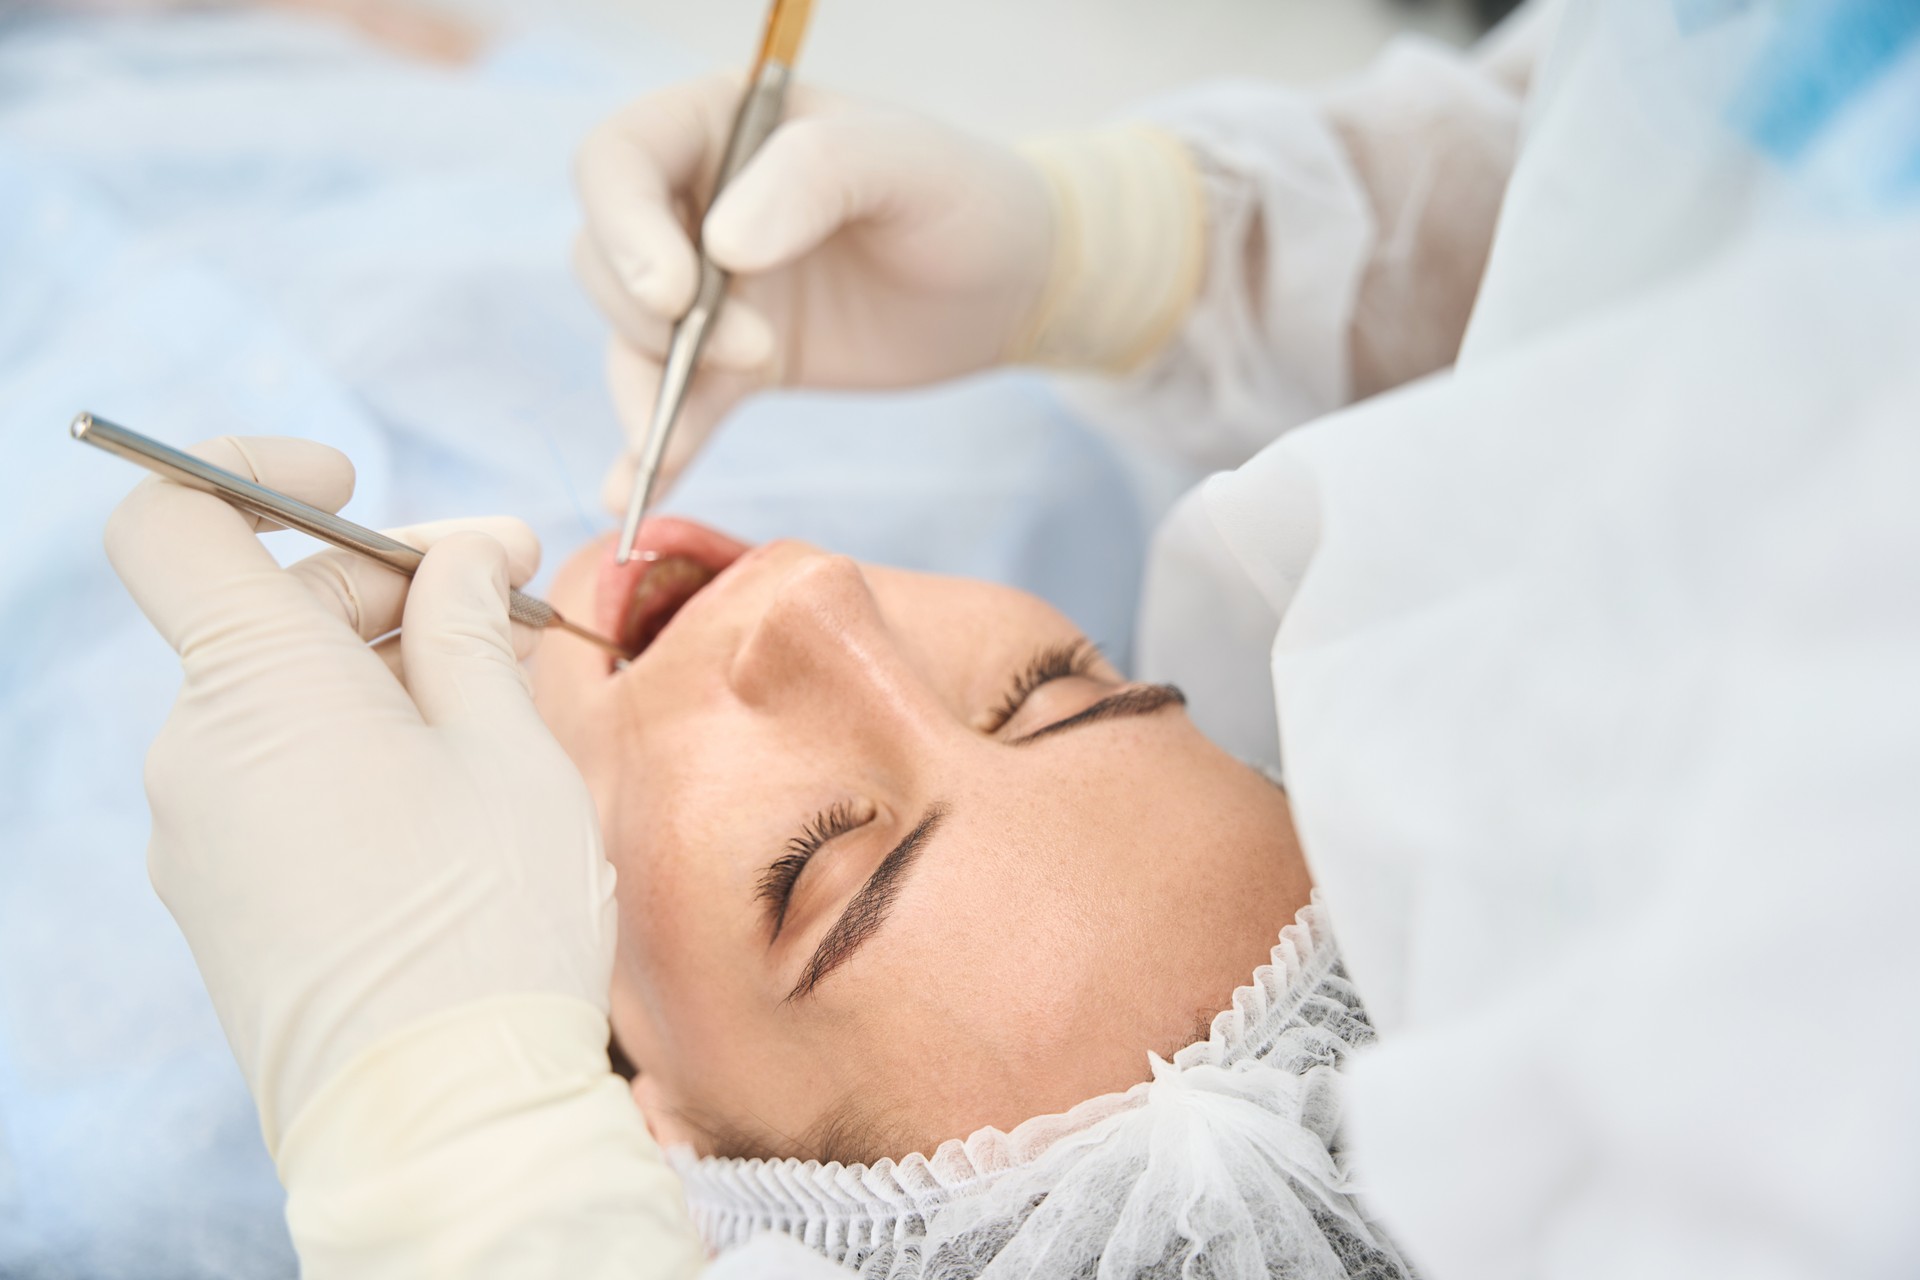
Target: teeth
(677, 576)
(666, 585)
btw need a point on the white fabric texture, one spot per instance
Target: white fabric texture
(1227, 1163)
(1643, 727)
(1345, 238)
(1208, 634)
(1346, 235)
(1288, 233)
(1598, 687)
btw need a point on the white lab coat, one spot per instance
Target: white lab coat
(1596, 657)
(1597, 666)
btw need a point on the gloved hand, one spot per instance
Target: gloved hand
(347, 852)
(873, 248)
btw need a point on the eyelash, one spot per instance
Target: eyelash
(777, 881)
(1056, 662)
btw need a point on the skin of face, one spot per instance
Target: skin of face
(1083, 897)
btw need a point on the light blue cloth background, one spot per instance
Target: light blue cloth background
(233, 223)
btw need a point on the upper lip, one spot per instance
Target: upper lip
(690, 602)
(706, 598)
(663, 537)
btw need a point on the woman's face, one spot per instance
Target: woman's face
(898, 855)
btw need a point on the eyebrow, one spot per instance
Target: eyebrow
(868, 910)
(869, 907)
(1138, 701)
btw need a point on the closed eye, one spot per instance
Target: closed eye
(783, 873)
(1078, 657)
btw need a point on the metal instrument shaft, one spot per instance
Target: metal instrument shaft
(759, 114)
(271, 504)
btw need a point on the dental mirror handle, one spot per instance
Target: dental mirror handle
(196, 473)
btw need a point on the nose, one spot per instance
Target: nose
(822, 650)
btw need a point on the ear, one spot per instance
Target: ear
(664, 1121)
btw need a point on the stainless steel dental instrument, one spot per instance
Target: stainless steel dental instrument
(248, 495)
(759, 114)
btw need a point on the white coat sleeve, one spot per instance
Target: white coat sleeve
(493, 1141)
(1598, 682)
(1346, 234)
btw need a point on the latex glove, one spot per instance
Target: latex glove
(873, 248)
(346, 852)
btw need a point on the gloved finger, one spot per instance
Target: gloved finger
(634, 379)
(388, 649)
(191, 560)
(636, 170)
(325, 474)
(811, 178)
(630, 318)
(456, 642)
(741, 340)
(368, 596)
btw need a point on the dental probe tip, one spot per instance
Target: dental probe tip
(636, 508)
(630, 527)
(592, 637)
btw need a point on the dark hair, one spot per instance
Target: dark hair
(850, 1133)
(617, 1058)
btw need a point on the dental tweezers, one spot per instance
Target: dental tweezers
(758, 116)
(270, 504)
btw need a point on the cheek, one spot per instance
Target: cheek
(566, 671)
(574, 581)
(1107, 868)
(685, 830)
(665, 887)
(692, 1007)
(967, 638)
(573, 695)
(673, 971)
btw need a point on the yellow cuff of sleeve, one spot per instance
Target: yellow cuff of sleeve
(467, 1138)
(445, 1075)
(1129, 249)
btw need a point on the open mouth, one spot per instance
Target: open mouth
(635, 601)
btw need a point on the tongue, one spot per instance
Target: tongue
(632, 604)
